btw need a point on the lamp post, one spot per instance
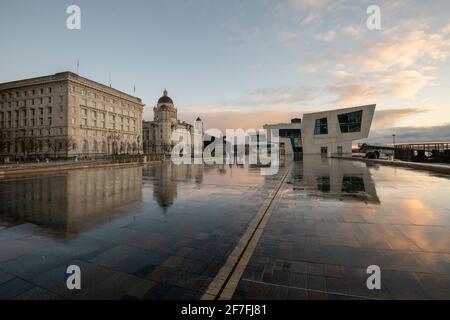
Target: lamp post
(393, 142)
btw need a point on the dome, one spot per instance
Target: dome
(165, 98)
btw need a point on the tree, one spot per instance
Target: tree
(28, 142)
(68, 144)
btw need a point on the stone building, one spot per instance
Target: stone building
(157, 134)
(67, 115)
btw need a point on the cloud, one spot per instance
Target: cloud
(403, 84)
(310, 11)
(354, 94)
(389, 117)
(276, 96)
(446, 29)
(411, 134)
(354, 32)
(230, 118)
(286, 36)
(340, 74)
(326, 36)
(399, 65)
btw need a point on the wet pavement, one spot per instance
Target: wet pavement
(164, 232)
(336, 218)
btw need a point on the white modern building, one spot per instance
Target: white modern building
(289, 136)
(328, 133)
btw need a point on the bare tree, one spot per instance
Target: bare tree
(57, 146)
(27, 142)
(3, 143)
(67, 144)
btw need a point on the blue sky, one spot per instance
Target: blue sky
(243, 63)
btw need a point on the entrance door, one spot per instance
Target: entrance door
(339, 151)
(324, 151)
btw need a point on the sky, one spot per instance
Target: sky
(244, 63)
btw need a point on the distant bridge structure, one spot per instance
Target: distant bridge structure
(414, 152)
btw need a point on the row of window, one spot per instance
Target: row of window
(24, 118)
(30, 102)
(26, 93)
(348, 123)
(103, 98)
(31, 133)
(101, 121)
(24, 123)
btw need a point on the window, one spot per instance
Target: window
(94, 118)
(350, 122)
(321, 126)
(84, 113)
(323, 183)
(352, 184)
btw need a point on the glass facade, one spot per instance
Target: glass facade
(296, 138)
(350, 122)
(321, 126)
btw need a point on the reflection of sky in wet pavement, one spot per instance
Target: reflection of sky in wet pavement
(164, 231)
(325, 232)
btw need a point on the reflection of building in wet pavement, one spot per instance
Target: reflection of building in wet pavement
(327, 178)
(165, 178)
(71, 201)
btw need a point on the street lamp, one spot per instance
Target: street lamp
(393, 142)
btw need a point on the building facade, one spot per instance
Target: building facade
(157, 134)
(333, 132)
(328, 133)
(66, 115)
(290, 137)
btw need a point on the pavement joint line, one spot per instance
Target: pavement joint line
(223, 288)
(314, 290)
